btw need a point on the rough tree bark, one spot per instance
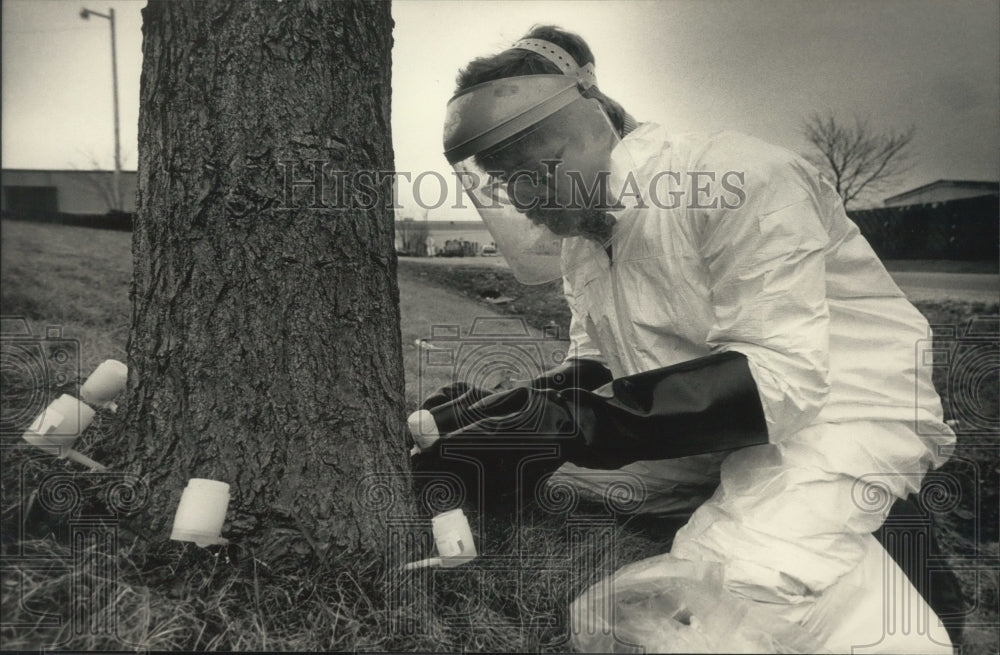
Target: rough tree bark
(265, 346)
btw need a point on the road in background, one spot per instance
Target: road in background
(496, 261)
(917, 285)
(422, 306)
(972, 287)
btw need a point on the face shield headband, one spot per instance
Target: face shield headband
(566, 63)
(537, 157)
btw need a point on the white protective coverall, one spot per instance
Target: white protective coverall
(786, 279)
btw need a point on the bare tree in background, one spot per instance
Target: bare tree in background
(101, 182)
(858, 159)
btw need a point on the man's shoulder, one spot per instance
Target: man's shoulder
(708, 151)
(732, 150)
(764, 171)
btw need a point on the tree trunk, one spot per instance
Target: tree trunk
(265, 346)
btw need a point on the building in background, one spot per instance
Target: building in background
(942, 191)
(471, 236)
(947, 219)
(29, 193)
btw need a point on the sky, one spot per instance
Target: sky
(756, 66)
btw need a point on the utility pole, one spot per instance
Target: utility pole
(117, 180)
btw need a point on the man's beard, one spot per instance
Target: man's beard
(594, 224)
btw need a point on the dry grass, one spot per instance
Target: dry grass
(179, 597)
(63, 593)
(75, 278)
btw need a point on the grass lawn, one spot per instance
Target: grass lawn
(942, 266)
(182, 597)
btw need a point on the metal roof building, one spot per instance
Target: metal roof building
(943, 190)
(30, 191)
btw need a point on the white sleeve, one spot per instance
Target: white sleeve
(767, 276)
(582, 345)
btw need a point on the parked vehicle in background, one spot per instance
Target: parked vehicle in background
(489, 250)
(458, 248)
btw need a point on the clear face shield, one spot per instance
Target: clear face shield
(541, 162)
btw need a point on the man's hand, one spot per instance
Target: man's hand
(454, 407)
(495, 443)
(574, 374)
(700, 406)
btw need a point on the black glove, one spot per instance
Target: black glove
(490, 447)
(574, 374)
(450, 405)
(448, 393)
(700, 406)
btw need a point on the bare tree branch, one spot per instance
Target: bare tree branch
(103, 185)
(858, 159)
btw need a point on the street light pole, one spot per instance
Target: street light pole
(117, 180)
